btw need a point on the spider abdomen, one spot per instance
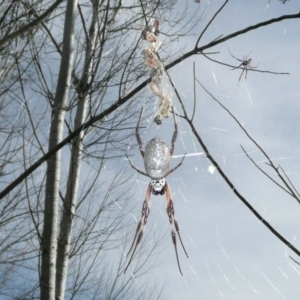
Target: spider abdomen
(157, 158)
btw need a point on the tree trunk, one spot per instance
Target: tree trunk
(49, 237)
(83, 88)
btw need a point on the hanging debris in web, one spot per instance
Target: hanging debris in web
(158, 84)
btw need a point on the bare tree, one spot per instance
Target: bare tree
(60, 103)
(83, 115)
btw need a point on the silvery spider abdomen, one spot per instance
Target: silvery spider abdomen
(157, 158)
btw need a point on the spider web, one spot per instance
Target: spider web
(231, 253)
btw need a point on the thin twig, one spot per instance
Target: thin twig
(288, 179)
(264, 172)
(230, 36)
(254, 70)
(255, 143)
(206, 27)
(233, 188)
(294, 260)
(31, 24)
(194, 82)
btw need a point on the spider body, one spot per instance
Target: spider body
(158, 186)
(157, 158)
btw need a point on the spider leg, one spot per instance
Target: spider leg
(242, 74)
(249, 67)
(234, 56)
(175, 168)
(238, 66)
(135, 168)
(246, 72)
(248, 54)
(247, 62)
(138, 137)
(173, 223)
(141, 225)
(174, 134)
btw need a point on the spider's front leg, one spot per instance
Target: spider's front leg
(174, 134)
(242, 63)
(141, 225)
(138, 137)
(173, 223)
(135, 168)
(244, 69)
(175, 168)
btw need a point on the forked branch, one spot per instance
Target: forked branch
(226, 178)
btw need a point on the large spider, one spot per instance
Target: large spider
(245, 64)
(157, 158)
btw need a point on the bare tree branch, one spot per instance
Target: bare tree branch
(228, 181)
(123, 100)
(27, 27)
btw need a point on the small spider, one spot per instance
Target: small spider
(245, 64)
(150, 32)
(157, 158)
